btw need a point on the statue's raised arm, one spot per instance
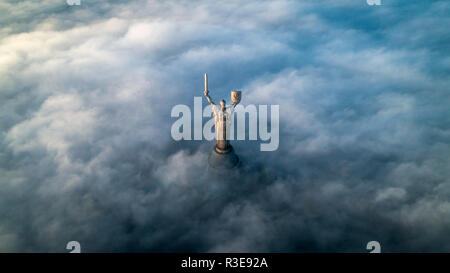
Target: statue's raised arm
(235, 97)
(206, 92)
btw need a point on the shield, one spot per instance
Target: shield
(236, 96)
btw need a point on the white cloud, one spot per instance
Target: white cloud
(85, 142)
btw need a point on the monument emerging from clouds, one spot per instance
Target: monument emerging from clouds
(223, 155)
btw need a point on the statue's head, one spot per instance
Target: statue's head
(222, 105)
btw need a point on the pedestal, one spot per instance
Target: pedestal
(223, 159)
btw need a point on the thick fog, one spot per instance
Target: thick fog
(86, 152)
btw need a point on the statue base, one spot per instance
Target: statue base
(223, 159)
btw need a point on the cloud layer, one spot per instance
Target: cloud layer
(85, 148)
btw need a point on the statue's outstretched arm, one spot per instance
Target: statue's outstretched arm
(208, 98)
(206, 92)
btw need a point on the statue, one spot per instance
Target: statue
(223, 155)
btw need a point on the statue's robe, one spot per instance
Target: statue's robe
(223, 133)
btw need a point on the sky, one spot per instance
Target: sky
(86, 153)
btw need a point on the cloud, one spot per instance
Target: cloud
(86, 152)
